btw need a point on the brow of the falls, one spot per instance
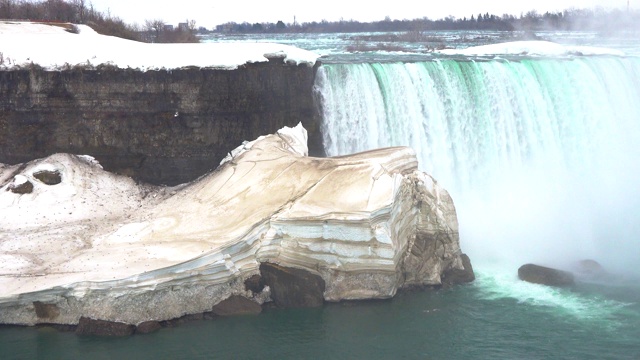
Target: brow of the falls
(535, 151)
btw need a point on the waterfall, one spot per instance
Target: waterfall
(540, 155)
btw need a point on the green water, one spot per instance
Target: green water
(497, 317)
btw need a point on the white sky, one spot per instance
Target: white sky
(211, 13)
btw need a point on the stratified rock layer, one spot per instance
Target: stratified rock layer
(100, 246)
(158, 126)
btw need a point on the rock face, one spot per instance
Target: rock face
(546, 276)
(291, 287)
(46, 311)
(459, 276)
(270, 224)
(160, 126)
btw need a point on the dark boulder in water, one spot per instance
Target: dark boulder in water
(590, 268)
(236, 305)
(544, 275)
(148, 327)
(88, 326)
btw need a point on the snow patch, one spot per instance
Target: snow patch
(534, 47)
(54, 47)
(299, 133)
(90, 160)
(19, 180)
(46, 167)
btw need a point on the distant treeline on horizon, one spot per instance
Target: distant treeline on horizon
(573, 19)
(157, 30)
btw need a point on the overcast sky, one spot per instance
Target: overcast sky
(209, 13)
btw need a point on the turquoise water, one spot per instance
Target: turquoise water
(497, 317)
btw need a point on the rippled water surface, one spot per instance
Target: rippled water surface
(498, 317)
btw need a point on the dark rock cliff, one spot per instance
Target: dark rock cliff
(163, 127)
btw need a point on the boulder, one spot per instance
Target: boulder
(148, 327)
(236, 305)
(88, 326)
(21, 185)
(590, 268)
(49, 177)
(544, 275)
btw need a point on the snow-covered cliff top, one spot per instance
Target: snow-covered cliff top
(50, 46)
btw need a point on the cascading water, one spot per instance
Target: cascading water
(540, 155)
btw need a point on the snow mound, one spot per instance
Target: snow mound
(83, 192)
(534, 47)
(56, 46)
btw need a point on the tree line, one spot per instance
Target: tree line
(572, 19)
(83, 12)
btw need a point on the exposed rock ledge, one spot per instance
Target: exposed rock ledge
(98, 245)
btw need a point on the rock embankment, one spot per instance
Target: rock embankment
(158, 126)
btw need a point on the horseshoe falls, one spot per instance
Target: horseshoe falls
(541, 155)
(542, 158)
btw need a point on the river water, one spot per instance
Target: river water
(540, 156)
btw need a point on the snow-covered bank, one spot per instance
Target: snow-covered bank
(532, 48)
(53, 47)
(90, 243)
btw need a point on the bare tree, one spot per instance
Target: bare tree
(81, 9)
(155, 26)
(59, 10)
(7, 8)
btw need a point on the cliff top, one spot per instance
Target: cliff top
(56, 46)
